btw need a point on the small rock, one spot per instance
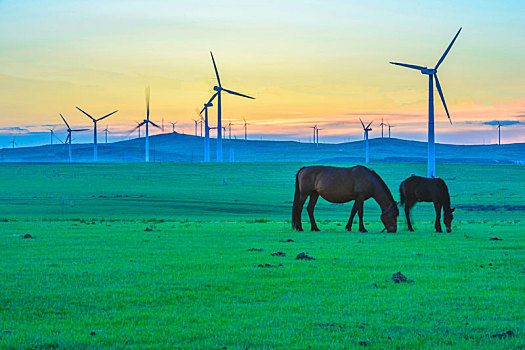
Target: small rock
(495, 239)
(92, 333)
(304, 256)
(503, 335)
(254, 250)
(279, 254)
(148, 229)
(399, 277)
(27, 235)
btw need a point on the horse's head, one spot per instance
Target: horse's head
(447, 219)
(389, 217)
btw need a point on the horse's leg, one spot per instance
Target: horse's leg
(360, 203)
(437, 225)
(298, 207)
(408, 206)
(314, 196)
(352, 214)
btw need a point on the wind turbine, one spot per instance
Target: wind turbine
(317, 136)
(230, 130)
(381, 125)
(390, 126)
(196, 121)
(219, 89)
(499, 133)
(95, 145)
(173, 126)
(245, 130)
(315, 133)
(69, 132)
(147, 122)
(13, 142)
(106, 131)
(366, 129)
(432, 73)
(207, 128)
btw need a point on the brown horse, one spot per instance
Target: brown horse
(341, 185)
(422, 189)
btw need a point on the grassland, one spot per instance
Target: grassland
(160, 256)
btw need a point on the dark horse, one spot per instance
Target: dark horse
(422, 189)
(341, 185)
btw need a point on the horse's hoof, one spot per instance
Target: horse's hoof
(411, 229)
(363, 230)
(315, 229)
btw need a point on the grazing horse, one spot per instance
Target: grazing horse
(422, 189)
(341, 185)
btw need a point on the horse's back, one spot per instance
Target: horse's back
(423, 189)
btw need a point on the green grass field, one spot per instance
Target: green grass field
(178, 255)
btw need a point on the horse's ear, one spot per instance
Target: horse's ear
(453, 209)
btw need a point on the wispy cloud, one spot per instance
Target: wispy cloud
(503, 122)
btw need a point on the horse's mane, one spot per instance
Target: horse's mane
(385, 187)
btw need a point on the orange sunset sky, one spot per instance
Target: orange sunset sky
(305, 62)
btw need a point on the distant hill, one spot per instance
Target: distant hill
(186, 148)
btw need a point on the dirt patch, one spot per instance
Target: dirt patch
(503, 335)
(148, 229)
(278, 254)
(330, 324)
(304, 256)
(495, 239)
(400, 278)
(254, 250)
(27, 235)
(289, 240)
(268, 266)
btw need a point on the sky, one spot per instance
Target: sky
(305, 62)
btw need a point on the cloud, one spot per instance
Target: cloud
(14, 129)
(503, 122)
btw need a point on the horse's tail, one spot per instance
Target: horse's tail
(296, 214)
(402, 193)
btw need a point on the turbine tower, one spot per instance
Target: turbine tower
(69, 132)
(147, 122)
(173, 126)
(245, 129)
(366, 129)
(219, 89)
(432, 73)
(390, 126)
(95, 145)
(196, 121)
(499, 133)
(207, 128)
(315, 132)
(106, 131)
(381, 125)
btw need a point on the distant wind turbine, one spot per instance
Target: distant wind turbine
(207, 128)
(13, 142)
(366, 130)
(68, 138)
(317, 136)
(219, 89)
(245, 129)
(390, 126)
(173, 126)
(147, 122)
(95, 145)
(315, 132)
(381, 125)
(106, 131)
(196, 121)
(499, 133)
(432, 73)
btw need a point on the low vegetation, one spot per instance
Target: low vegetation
(201, 256)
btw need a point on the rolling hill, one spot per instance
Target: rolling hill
(186, 148)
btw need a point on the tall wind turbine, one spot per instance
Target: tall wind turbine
(13, 142)
(432, 73)
(317, 136)
(499, 133)
(315, 132)
(147, 122)
(366, 129)
(196, 121)
(106, 131)
(95, 145)
(219, 89)
(207, 128)
(69, 132)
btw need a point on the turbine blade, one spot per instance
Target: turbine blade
(147, 100)
(447, 50)
(413, 66)
(216, 71)
(85, 113)
(68, 138)
(213, 97)
(238, 94)
(155, 125)
(369, 124)
(107, 115)
(64, 121)
(362, 123)
(438, 86)
(202, 110)
(79, 129)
